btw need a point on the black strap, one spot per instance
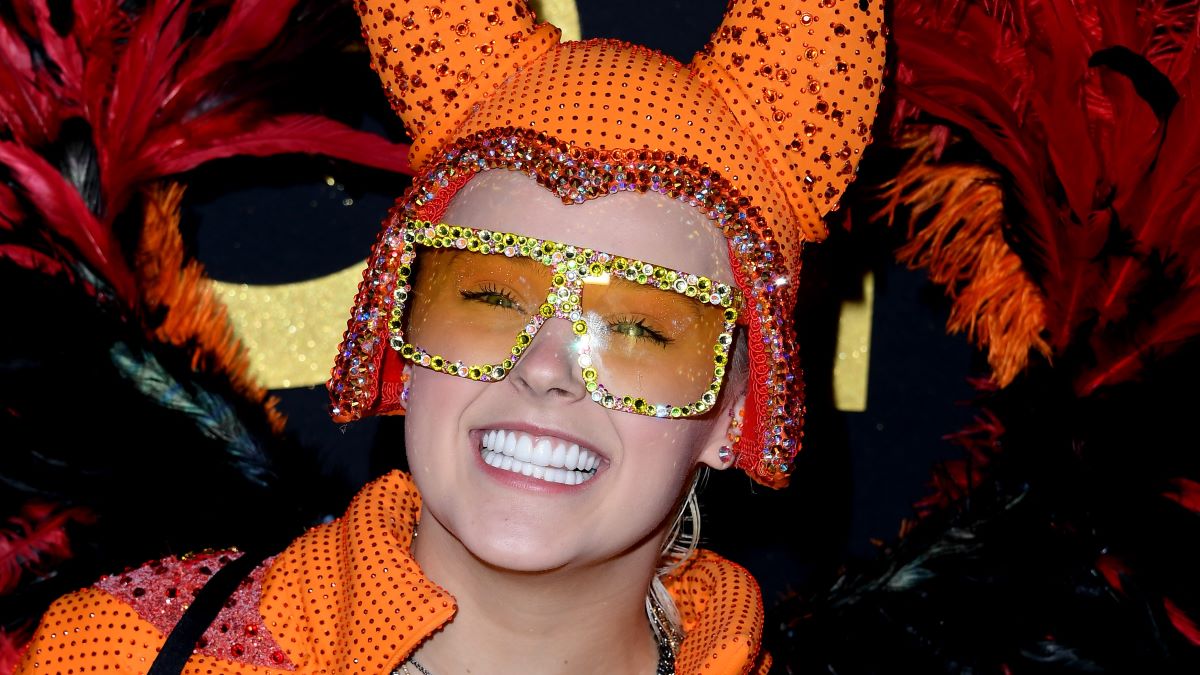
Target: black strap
(200, 614)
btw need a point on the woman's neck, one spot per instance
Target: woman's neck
(589, 620)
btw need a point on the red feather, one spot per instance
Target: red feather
(159, 102)
(954, 480)
(139, 91)
(1113, 571)
(63, 210)
(1071, 100)
(1177, 321)
(12, 647)
(1182, 622)
(11, 212)
(209, 139)
(249, 28)
(25, 106)
(34, 260)
(1087, 112)
(61, 50)
(34, 540)
(1186, 493)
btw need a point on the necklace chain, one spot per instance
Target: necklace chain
(415, 664)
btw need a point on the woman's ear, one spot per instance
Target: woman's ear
(718, 452)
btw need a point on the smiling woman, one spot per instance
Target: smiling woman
(583, 301)
(596, 531)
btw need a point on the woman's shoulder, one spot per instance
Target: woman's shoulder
(721, 611)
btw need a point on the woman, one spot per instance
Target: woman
(585, 297)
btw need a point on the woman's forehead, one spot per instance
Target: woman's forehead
(650, 227)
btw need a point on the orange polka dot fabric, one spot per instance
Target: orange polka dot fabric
(438, 60)
(762, 131)
(780, 101)
(347, 597)
(721, 609)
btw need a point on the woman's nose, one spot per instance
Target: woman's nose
(550, 365)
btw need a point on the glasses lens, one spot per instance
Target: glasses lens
(644, 343)
(653, 344)
(470, 307)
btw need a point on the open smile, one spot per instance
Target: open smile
(544, 458)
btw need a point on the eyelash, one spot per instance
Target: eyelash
(649, 333)
(490, 290)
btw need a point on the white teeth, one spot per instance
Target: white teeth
(585, 461)
(542, 452)
(543, 459)
(524, 448)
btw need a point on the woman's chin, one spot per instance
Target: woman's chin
(520, 552)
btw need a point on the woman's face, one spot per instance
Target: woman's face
(642, 463)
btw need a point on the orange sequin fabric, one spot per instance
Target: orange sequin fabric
(762, 131)
(346, 597)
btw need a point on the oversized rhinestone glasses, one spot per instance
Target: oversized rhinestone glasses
(647, 339)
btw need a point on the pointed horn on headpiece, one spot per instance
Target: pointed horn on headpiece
(805, 77)
(438, 59)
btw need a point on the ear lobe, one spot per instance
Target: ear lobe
(719, 450)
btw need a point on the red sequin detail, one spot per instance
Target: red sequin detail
(162, 590)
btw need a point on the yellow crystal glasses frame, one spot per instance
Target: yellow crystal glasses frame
(570, 267)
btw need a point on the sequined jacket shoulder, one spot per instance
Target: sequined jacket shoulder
(346, 597)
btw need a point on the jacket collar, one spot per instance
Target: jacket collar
(368, 605)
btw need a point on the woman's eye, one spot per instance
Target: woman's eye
(493, 297)
(637, 329)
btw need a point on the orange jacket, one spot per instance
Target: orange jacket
(346, 597)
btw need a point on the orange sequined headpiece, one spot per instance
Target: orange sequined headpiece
(762, 132)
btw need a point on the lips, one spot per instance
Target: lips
(542, 457)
